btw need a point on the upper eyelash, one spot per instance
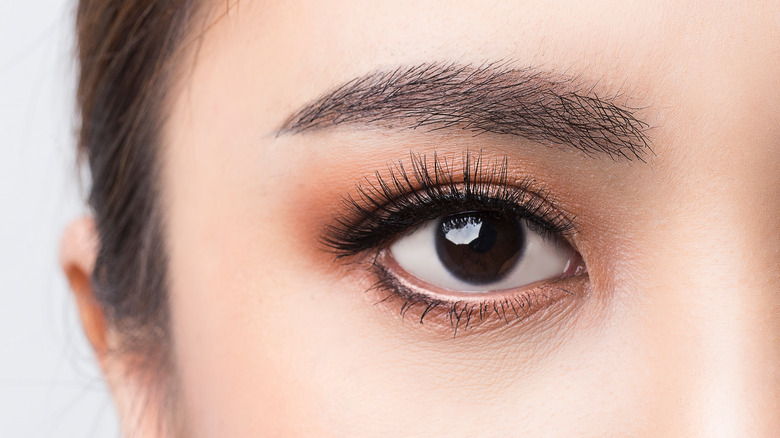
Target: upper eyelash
(391, 205)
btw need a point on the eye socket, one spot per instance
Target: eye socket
(459, 245)
(483, 251)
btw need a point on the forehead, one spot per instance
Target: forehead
(276, 56)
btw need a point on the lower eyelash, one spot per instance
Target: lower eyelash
(460, 314)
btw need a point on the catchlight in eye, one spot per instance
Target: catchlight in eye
(481, 251)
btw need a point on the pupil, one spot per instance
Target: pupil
(479, 247)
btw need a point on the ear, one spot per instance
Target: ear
(135, 389)
(78, 252)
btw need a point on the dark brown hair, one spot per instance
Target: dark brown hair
(128, 52)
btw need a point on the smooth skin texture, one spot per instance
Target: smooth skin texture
(674, 332)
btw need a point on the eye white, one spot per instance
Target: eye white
(541, 259)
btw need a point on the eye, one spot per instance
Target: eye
(458, 245)
(482, 251)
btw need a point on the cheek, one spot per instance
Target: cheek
(263, 338)
(266, 339)
(266, 342)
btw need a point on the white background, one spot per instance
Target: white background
(50, 385)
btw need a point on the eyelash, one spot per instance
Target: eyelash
(460, 313)
(397, 203)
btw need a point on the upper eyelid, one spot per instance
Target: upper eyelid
(437, 180)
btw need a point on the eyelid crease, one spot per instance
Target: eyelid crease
(392, 205)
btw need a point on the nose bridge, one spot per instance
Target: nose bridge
(712, 290)
(717, 310)
(730, 351)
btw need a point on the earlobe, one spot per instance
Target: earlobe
(78, 253)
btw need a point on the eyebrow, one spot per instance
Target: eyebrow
(536, 105)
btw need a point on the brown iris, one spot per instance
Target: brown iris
(479, 247)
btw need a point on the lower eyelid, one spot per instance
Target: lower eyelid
(463, 312)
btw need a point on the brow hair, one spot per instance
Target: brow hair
(536, 105)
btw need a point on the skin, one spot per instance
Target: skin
(674, 331)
